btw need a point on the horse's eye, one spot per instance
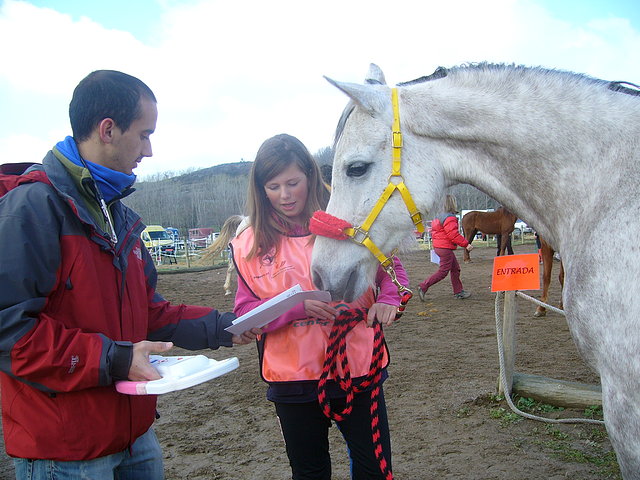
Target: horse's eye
(357, 169)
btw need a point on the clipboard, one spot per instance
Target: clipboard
(274, 307)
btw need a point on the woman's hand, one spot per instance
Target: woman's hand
(246, 337)
(383, 313)
(319, 310)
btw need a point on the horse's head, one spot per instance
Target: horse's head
(361, 170)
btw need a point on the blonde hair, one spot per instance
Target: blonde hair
(450, 204)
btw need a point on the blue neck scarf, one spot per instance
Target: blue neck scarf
(110, 182)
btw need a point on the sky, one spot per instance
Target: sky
(230, 74)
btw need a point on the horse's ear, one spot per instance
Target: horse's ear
(375, 75)
(372, 99)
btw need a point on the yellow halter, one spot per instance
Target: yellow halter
(360, 234)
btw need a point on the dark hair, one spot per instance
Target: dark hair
(106, 94)
(274, 156)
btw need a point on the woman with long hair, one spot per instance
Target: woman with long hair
(274, 254)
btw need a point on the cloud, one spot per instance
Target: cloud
(45, 55)
(228, 75)
(47, 52)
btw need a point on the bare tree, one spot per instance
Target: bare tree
(207, 197)
(324, 156)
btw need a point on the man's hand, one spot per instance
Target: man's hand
(246, 337)
(141, 370)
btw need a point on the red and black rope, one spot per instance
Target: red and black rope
(322, 223)
(336, 352)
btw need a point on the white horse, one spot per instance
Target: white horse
(231, 227)
(561, 150)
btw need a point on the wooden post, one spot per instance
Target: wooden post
(557, 392)
(561, 393)
(508, 339)
(186, 251)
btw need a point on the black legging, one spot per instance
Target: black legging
(306, 432)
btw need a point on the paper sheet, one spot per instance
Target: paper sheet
(273, 308)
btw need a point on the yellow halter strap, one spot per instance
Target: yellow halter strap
(360, 234)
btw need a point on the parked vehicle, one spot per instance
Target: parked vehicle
(156, 236)
(174, 234)
(523, 227)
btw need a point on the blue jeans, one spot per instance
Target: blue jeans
(143, 461)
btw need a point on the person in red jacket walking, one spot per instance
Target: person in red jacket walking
(446, 238)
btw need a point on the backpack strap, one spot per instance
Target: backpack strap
(15, 168)
(12, 175)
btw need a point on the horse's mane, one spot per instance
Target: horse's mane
(342, 122)
(623, 88)
(504, 75)
(440, 72)
(471, 72)
(508, 74)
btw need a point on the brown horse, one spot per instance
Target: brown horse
(500, 222)
(547, 251)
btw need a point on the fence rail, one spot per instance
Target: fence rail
(540, 388)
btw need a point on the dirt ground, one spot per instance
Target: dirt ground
(445, 421)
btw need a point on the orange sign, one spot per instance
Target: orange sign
(516, 272)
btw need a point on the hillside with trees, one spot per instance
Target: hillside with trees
(202, 198)
(207, 197)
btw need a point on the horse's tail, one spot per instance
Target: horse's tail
(227, 232)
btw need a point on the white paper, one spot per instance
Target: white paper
(435, 258)
(274, 307)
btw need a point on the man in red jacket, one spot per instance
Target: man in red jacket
(446, 237)
(78, 305)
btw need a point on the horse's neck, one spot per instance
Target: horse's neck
(523, 186)
(532, 153)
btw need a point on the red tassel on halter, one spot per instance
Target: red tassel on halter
(321, 223)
